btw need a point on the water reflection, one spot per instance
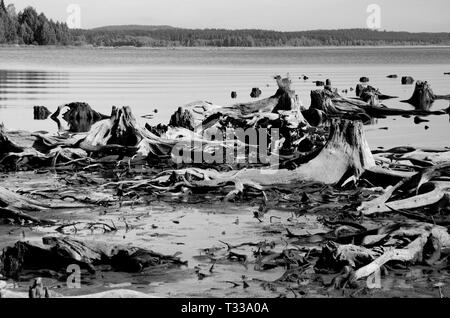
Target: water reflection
(26, 84)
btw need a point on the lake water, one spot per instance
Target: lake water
(163, 79)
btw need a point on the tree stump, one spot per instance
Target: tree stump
(319, 83)
(372, 96)
(80, 116)
(423, 96)
(407, 80)
(364, 79)
(41, 112)
(359, 89)
(255, 93)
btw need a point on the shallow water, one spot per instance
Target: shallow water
(163, 79)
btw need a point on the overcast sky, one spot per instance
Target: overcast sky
(284, 15)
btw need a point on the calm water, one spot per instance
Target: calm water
(163, 79)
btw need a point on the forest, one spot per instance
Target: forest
(169, 36)
(30, 28)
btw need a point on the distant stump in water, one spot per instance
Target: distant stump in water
(407, 80)
(256, 92)
(80, 116)
(423, 96)
(41, 112)
(319, 83)
(364, 79)
(182, 118)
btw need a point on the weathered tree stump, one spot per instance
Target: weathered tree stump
(423, 96)
(319, 83)
(372, 96)
(407, 80)
(41, 112)
(255, 93)
(364, 79)
(359, 89)
(182, 118)
(199, 115)
(79, 116)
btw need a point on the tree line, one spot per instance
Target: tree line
(254, 38)
(29, 27)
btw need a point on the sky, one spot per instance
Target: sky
(282, 15)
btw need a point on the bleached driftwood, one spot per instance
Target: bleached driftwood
(436, 191)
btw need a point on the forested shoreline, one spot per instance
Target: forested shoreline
(27, 27)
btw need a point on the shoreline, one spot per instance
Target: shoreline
(222, 48)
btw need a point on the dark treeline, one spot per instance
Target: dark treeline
(145, 36)
(29, 27)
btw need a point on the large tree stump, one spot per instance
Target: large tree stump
(194, 115)
(372, 96)
(423, 96)
(346, 154)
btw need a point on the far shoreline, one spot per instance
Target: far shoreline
(222, 48)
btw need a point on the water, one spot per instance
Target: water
(163, 79)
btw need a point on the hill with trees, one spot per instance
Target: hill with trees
(160, 36)
(29, 27)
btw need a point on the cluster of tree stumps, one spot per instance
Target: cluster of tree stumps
(323, 146)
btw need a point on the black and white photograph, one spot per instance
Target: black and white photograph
(236, 151)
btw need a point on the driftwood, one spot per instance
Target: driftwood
(368, 261)
(412, 253)
(196, 115)
(435, 191)
(38, 290)
(56, 253)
